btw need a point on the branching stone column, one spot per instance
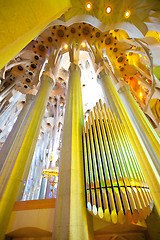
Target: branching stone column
(146, 163)
(145, 129)
(71, 219)
(19, 157)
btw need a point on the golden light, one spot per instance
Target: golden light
(83, 44)
(108, 9)
(140, 55)
(145, 57)
(140, 94)
(139, 82)
(127, 14)
(88, 6)
(65, 46)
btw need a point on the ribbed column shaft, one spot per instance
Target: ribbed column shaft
(147, 166)
(71, 216)
(143, 126)
(21, 153)
(9, 110)
(51, 163)
(28, 187)
(14, 134)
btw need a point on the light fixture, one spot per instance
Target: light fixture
(88, 6)
(83, 44)
(108, 10)
(127, 14)
(139, 82)
(65, 46)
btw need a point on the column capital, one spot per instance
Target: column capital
(122, 87)
(100, 69)
(73, 67)
(29, 97)
(101, 73)
(74, 52)
(50, 77)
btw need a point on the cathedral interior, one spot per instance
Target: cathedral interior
(80, 120)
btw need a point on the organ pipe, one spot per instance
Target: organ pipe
(116, 189)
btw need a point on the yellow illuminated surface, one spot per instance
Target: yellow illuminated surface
(154, 34)
(22, 22)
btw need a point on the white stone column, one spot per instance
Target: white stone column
(149, 170)
(143, 126)
(19, 157)
(14, 134)
(71, 219)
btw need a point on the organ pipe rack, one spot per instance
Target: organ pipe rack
(116, 190)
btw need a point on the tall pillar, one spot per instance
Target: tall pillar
(143, 126)
(14, 134)
(71, 218)
(18, 159)
(8, 110)
(146, 163)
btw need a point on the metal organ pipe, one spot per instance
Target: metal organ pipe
(115, 186)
